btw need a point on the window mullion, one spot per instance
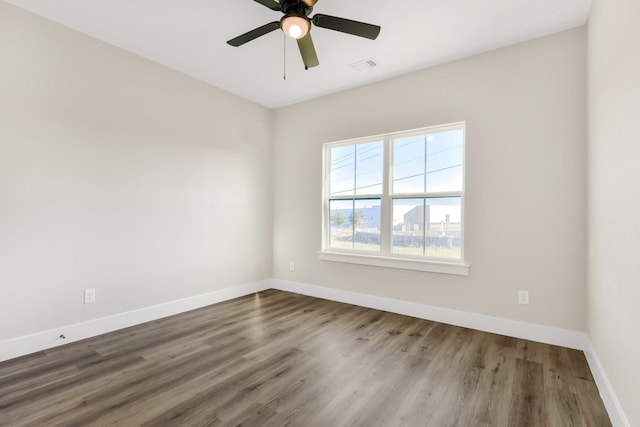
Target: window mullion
(425, 163)
(425, 224)
(355, 191)
(355, 169)
(353, 223)
(386, 228)
(326, 215)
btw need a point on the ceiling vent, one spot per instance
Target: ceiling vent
(364, 65)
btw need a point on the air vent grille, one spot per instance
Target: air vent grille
(364, 65)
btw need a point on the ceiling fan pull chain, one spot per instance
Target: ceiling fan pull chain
(284, 56)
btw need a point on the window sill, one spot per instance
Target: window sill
(458, 269)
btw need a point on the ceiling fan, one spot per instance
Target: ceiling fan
(296, 24)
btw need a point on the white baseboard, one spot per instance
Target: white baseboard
(611, 402)
(24, 345)
(496, 325)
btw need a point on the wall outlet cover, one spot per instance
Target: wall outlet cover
(90, 296)
(523, 297)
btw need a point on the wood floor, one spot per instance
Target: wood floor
(277, 359)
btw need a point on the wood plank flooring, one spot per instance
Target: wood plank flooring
(282, 359)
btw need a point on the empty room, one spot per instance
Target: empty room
(319, 213)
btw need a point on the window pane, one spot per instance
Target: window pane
(408, 227)
(443, 217)
(342, 170)
(341, 231)
(356, 169)
(363, 222)
(369, 160)
(409, 164)
(444, 161)
(366, 221)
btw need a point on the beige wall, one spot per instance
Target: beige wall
(526, 190)
(119, 174)
(614, 195)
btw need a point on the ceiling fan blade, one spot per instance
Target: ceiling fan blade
(310, 3)
(273, 5)
(308, 52)
(348, 26)
(254, 34)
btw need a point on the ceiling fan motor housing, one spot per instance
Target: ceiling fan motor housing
(295, 8)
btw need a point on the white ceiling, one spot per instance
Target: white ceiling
(190, 36)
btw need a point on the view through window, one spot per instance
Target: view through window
(397, 195)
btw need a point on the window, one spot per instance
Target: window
(396, 200)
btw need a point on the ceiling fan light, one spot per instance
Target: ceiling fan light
(295, 26)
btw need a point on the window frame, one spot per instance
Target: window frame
(385, 257)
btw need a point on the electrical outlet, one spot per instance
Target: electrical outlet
(90, 296)
(292, 266)
(523, 297)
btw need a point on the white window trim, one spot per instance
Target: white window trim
(459, 269)
(387, 260)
